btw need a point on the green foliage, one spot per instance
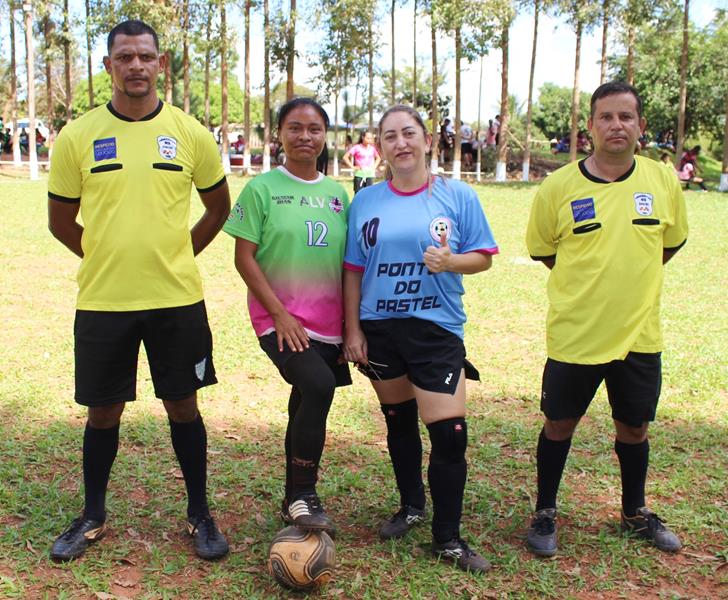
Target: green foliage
(552, 111)
(657, 74)
(102, 92)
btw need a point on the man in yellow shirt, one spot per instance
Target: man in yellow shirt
(604, 226)
(128, 168)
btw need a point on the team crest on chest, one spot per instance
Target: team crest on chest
(440, 225)
(336, 205)
(643, 203)
(167, 147)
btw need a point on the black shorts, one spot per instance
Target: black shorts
(633, 388)
(330, 353)
(431, 356)
(177, 340)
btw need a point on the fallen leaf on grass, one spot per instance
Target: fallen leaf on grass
(29, 547)
(165, 537)
(232, 436)
(177, 474)
(105, 596)
(701, 556)
(214, 452)
(125, 583)
(260, 519)
(126, 561)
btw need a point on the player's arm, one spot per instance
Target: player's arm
(439, 260)
(549, 261)
(668, 253)
(217, 209)
(63, 225)
(286, 325)
(355, 343)
(346, 159)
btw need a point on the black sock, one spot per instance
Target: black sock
(294, 402)
(315, 382)
(189, 441)
(550, 460)
(633, 461)
(99, 451)
(446, 475)
(405, 451)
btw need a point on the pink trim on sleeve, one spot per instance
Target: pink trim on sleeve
(351, 267)
(487, 250)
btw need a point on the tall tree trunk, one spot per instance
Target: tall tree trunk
(67, 61)
(291, 50)
(529, 109)
(414, 56)
(456, 124)
(30, 71)
(168, 83)
(208, 60)
(47, 45)
(186, 56)
(224, 89)
(683, 87)
(723, 187)
(433, 101)
(89, 63)
(266, 88)
(370, 60)
(14, 88)
(575, 94)
(392, 92)
(502, 161)
(246, 100)
(336, 117)
(605, 39)
(630, 54)
(477, 143)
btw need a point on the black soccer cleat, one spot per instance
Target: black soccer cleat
(208, 541)
(401, 522)
(541, 536)
(81, 533)
(650, 527)
(458, 552)
(307, 513)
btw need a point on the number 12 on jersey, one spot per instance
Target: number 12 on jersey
(317, 231)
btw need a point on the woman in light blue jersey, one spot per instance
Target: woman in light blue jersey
(410, 240)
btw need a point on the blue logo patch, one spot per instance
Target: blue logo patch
(105, 149)
(583, 209)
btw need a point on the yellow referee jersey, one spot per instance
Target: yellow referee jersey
(133, 180)
(608, 238)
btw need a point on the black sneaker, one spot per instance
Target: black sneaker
(306, 512)
(401, 522)
(542, 533)
(649, 526)
(207, 540)
(81, 533)
(458, 552)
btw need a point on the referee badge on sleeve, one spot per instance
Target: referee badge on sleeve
(643, 203)
(167, 147)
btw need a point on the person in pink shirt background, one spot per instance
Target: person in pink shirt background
(366, 159)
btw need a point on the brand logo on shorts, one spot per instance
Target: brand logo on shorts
(440, 225)
(643, 203)
(167, 147)
(448, 378)
(200, 369)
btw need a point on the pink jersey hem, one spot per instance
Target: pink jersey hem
(351, 267)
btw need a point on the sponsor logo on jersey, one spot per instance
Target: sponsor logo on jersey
(643, 203)
(314, 201)
(440, 225)
(282, 199)
(583, 209)
(105, 149)
(167, 147)
(236, 213)
(336, 205)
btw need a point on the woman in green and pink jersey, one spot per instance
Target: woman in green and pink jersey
(290, 231)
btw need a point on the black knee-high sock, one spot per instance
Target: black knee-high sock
(294, 402)
(633, 462)
(316, 384)
(99, 451)
(446, 475)
(405, 451)
(189, 441)
(550, 461)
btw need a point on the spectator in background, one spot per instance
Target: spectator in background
(466, 144)
(238, 145)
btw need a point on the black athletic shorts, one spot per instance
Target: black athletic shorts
(633, 388)
(431, 356)
(331, 354)
(177, 340)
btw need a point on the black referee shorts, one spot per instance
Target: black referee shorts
(633, 388)
(432, 357)
(177, 340)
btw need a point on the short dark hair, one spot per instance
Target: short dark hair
(615, 87)
(131, 27)
(301, 101)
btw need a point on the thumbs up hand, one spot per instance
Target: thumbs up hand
(439, 259)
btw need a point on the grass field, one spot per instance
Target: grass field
(146, 555)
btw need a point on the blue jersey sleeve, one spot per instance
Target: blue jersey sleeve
(354, 255)
(476, 235)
